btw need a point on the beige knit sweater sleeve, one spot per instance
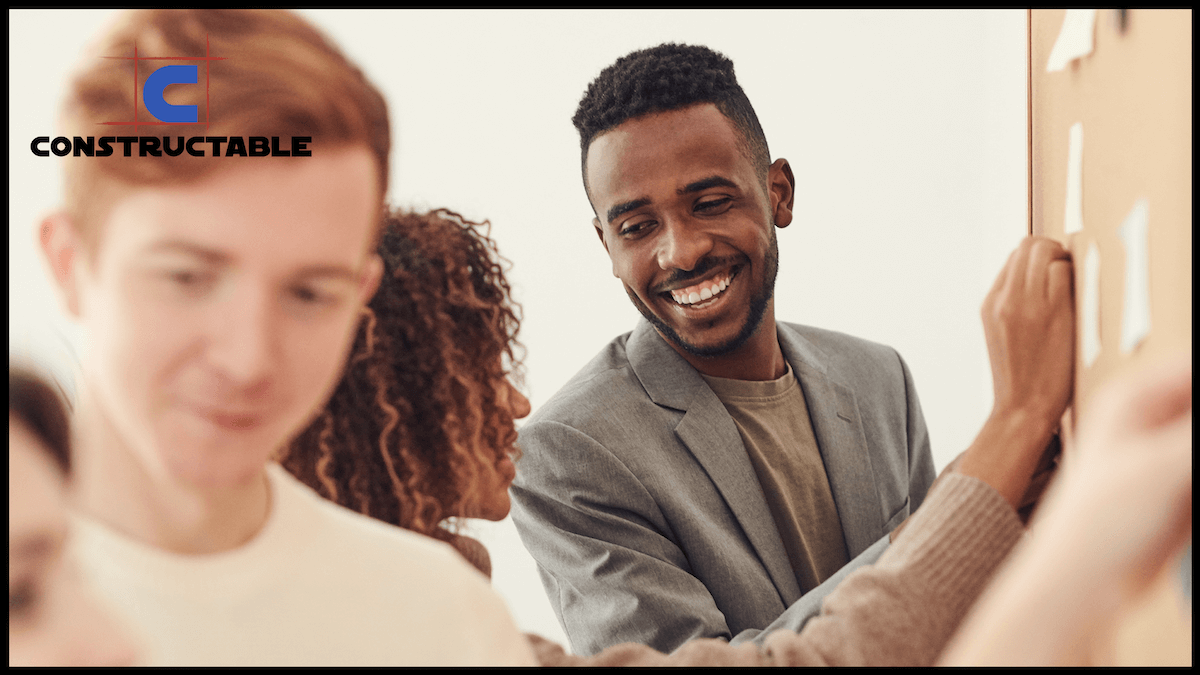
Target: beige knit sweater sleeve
(901, 611)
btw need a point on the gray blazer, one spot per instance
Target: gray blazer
(645, 516)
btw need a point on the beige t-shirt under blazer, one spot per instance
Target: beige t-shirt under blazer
(772, 417)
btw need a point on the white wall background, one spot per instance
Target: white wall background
(905, 129)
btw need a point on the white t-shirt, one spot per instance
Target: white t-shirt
(319, 585)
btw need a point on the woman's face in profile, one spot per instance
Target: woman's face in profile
(495, 504)
(52, 621)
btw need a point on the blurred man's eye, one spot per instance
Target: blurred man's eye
(185, 278)
(23, 598)
(190, 280)
(316, 296)
(309, 295)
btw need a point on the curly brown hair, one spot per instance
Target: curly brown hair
(414, 432)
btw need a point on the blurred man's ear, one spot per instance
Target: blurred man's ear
(63, 250)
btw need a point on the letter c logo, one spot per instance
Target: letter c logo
(159, 80)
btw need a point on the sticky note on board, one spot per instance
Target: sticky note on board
(1073, 218)
(1089, 311)
(1075, 39)
(1135, 319)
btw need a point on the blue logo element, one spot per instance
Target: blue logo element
(159, 80)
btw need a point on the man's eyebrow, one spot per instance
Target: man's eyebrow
(216, 257)
(180, 246)
(621, 209)
(706, 183)
(337, 272)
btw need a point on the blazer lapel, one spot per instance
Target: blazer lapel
(838, 429)
(710, 435)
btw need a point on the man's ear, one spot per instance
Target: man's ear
(600, 233)
(63, 250)
(782, 186)
(371, 277)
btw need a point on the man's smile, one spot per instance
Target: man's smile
(703, 291)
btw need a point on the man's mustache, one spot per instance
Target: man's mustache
(704, 266)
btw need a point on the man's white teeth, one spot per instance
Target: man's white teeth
(705, 292)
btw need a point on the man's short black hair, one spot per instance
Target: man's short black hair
(668, 77)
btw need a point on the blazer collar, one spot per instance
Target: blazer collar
(668, 378)
(837, 426)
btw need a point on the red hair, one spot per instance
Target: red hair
(277, 76)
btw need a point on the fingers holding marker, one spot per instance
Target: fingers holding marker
(1029, 326)
(1039, 269)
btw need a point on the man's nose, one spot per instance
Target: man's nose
(244, 337)
(681, 245)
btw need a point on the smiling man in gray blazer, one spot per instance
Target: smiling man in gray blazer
(713, 473)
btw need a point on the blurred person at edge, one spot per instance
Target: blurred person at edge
(52, 620)
(1120, 512)
(220, 296)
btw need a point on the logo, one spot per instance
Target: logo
(158, 79)
(161, 81)
(155, 88)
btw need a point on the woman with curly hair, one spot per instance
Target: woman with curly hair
(420, 428)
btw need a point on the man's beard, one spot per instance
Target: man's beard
(758, 308)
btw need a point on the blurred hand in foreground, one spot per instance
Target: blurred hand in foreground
(1120, 511)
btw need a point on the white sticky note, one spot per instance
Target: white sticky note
(1089, 311)
(1073, 218)
(1075, 39)
(1135, 319)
